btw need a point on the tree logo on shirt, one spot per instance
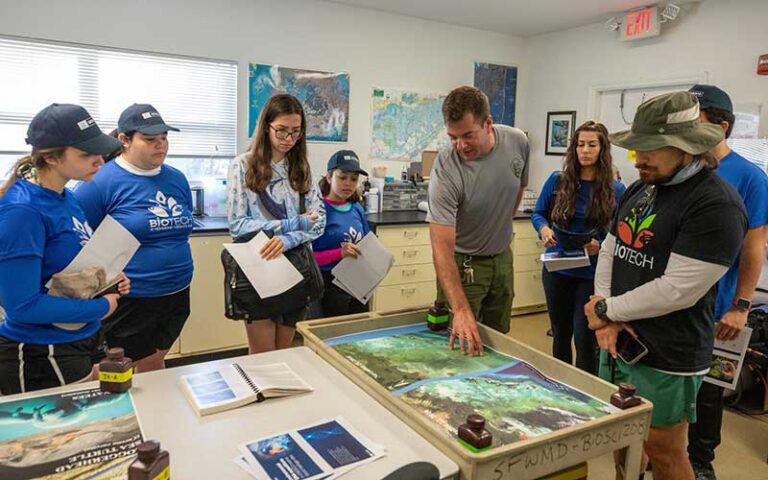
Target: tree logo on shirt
(636, 231)
(165, 207)
(353, 236)
(83, 230)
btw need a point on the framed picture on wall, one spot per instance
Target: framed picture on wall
(560, 127)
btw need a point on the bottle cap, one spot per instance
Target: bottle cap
(476, 422)
(627, 389)
(116, 353)
(148, 450)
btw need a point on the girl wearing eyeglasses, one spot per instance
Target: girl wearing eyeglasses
(264, 188)
(573, 212)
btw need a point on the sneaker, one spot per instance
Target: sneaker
(703, 471)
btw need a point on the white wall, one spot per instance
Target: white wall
(376, 49)
(717, 40)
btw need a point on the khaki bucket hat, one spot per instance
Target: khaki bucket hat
(669, 120)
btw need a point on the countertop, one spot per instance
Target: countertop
(210, 225)
(411, 216)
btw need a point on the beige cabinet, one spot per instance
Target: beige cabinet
(411, 282)
(526, 253)
(207, 329)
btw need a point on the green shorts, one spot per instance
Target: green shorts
(673, 396)
(490, 294)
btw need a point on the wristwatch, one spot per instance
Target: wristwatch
(601, 310)
(742, 304)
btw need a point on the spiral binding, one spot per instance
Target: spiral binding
(253, 386)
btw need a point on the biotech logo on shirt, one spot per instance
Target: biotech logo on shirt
(353, 236)
(83, 230)
(635, 234)
(168, 213)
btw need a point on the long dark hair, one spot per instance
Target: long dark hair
(36, 158)
(602, 200)
(259, 170)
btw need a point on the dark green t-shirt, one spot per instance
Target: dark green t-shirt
(703, 219)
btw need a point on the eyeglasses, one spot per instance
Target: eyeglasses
(283, 134)
(644, 206)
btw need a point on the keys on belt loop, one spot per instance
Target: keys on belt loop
(469, 272)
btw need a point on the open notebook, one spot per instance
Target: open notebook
(236, 385)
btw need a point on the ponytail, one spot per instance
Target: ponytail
(36, 159)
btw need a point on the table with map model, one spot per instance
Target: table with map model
(544, 415)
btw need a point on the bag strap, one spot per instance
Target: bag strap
(302, 203)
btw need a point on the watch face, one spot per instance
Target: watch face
(742, 303)
(600, 308)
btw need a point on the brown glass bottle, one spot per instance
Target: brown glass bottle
(474, 433)
(438, 316)
(115, 372)
(151, 463)
(625, 397)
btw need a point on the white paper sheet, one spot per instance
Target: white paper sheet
(268, 277)
(111, 247)
(727, 360)
(360, 276)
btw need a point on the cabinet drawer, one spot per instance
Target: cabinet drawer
(527, 246)
(527, 263)
(394, 297)
(410, 274)
(524, 229)
(528, 290)
(404, 235)
(412, 255)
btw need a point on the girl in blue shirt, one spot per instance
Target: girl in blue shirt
(154, 202)
(345, 226)
(48, 341)
(579, 203)
(264, 188)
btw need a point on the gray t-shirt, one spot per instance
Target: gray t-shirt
(478, 196)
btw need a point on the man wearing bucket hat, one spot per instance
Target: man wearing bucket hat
(676, 232)
(736, 287)
(154, 202)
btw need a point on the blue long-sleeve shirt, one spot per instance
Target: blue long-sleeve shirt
(540, 217)
(41, 231)
(246, 214)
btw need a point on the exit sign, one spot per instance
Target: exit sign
(641, 24)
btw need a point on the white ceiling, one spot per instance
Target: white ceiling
(512, 17)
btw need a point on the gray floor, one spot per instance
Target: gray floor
(741, 456)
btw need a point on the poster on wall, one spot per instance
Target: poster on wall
(560, 127)
(499, 83)
(324, 96)
(404, 124)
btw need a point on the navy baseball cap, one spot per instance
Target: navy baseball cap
(67, 125)
(144, 118)
(711, 96)
(346, 161)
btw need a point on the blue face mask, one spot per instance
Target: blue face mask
(686, 172)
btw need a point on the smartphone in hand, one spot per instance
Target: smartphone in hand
(113, 288)
(630, 349)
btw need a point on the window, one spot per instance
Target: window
(753, 149)
(199, 96)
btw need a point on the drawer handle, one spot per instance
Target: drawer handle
(537, 259)
(539, 243)
(410, 235)
(407, 291)
(410, 253)
(409, 273)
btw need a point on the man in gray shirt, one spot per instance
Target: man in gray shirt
(474, 190)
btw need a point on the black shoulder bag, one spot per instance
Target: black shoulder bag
(242, 302)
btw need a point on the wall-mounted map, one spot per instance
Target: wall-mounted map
(517, 401)
(404, 124)
(499, 83)
(324, 96)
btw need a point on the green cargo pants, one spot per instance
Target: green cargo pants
(491, 293)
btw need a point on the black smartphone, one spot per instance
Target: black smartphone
(630, 349)
(109, 289)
